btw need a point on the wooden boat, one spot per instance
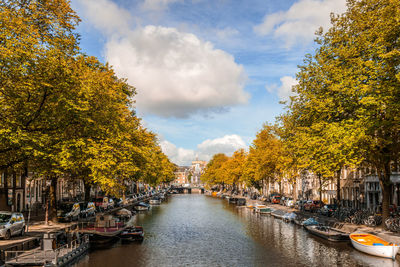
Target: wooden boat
(134, 233)
(266, 210)
(250, 206)
(278, 214)
(259, 208)
(374, 245)
(327, 233)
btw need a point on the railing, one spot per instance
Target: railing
(38, 256)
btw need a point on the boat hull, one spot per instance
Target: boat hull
(331, 235)
(379, 251)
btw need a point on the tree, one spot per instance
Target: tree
(37, 44)
(214, 172)
(234, 167)
(264, 155)
(351, 87)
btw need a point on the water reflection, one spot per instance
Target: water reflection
(195, 230)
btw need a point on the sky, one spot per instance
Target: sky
(208, 73)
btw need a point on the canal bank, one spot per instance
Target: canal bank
(342, 226)
(196, 230)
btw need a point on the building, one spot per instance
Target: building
(182, 175)
(12, 189)
(197, 170)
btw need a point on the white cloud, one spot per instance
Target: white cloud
(227, 144)
(157, 5)
(226, 33)
(176, 74)
(180, 156)
(299, 23)
(106, 16)
(285, 90)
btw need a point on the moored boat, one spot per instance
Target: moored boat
(374, 245)
(155, 201)
(135, 233)
(258, 208)
(289, 217)
(241, 202)
(142, 206)
(327, 233)
(250, 206)
(104, 231)
(310, 221)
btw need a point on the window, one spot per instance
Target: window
(18, 181)
(10, 181)
(2, 179)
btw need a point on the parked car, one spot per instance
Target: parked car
(328, 210)
(103, 203)
(300, 203)
(276, 199)
(313, 205)
(69, 211)
(272, 195)
(11, 224)
(307, 205)
(87, 210)
(289, 202)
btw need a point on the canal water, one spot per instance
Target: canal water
(198, 230)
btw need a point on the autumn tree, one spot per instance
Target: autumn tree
(264, 154)
(350, 88)
(214, 172)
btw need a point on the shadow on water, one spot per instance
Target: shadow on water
(196, 230)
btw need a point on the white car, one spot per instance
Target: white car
(11, 223)
(289, 202)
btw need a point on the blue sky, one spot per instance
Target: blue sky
(208, 73)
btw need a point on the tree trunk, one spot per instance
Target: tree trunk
(295, 190)
(320, 187)
(338, 199)
(53, 199)
(88, 187)
(384, 179)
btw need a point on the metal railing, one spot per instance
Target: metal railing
(38, 255)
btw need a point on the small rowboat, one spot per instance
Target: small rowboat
(374, 245)
(266, 210)
(259, 208)
(327, 233)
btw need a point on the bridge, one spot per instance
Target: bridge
(189, 189)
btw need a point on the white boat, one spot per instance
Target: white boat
(373, 245)
(155, 201)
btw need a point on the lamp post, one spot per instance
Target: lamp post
(29, 183)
